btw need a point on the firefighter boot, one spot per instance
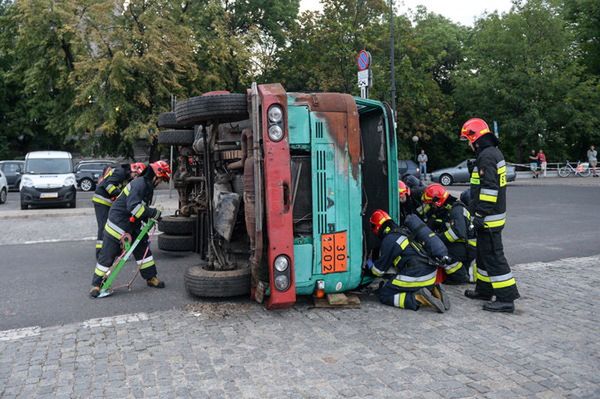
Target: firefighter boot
(95, 291)
(155, 282)
(440, 294)
(425, 298)
(497, 306)
(473, 294)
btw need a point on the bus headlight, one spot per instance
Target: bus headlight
(281, 263)
(275, 114)
(275, 133)
(282, 283)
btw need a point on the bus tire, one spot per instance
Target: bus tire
(204, 283)
(177, 225)
(176, 137)
(168, 242)
(169, 120)
(231, 107)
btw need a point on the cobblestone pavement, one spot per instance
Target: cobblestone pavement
(549, 349)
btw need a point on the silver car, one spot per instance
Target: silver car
(460, 174)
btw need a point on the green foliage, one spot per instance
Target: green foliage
(92, 75)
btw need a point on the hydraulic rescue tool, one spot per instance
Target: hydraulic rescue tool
(128, 248)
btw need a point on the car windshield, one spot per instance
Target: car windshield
(48, 165)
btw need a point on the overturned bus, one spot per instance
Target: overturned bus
(278, 188)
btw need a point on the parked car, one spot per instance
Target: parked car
(3, 188)
(408, 167)
(87, 173)
(48, 179)
(13, 171)
(460, 174)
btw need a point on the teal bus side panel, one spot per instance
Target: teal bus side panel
(336, 207)
(298, 125)
(303, 259)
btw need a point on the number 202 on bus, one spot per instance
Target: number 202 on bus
(333, 253)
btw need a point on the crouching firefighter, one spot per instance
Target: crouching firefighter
(414, 285)
(488, 210)
(108, 189)
(125, 218)
(457, 233)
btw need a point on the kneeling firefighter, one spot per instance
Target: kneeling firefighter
(125, 217)
(108, 189)
(457, 233)
(414, 285)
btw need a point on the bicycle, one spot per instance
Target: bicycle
(582, 170)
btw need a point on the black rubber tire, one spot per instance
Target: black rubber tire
(24, 206)
(169, 120)
(177, 225)
(3, 195)
(86, 184)
(230, 107)
(445, 178)
(168, 242)
(205, 283)
(176, 137)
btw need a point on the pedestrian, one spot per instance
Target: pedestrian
(422, 159)
(542, 160)
(107, 190)
(414, 285)
(533, 163)
(592, 156)
(456, 232)
(125, 217)
(488, 213)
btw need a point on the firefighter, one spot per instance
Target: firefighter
(410, 196)
(108, 189)
(488, 210)
(414, 284)
(125, 217)
(457, 232)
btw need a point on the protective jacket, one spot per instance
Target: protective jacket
(488, 184)
(401, 248)
(131, 207)
(110, 185)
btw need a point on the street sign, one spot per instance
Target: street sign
(363, 78)
(363, 60)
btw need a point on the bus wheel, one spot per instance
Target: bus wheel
(229, 107)
(201, 282)
(176, 137)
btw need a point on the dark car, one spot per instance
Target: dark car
(460, 174)
(408, 167)
(12, 171)
(87, 173)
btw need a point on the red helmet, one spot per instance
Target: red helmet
(435, 194)
(403, 189)
(473, 129)
(162, 170)
(138, 167)
(378, 218)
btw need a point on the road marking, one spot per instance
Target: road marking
(58, 240)
(114, 320)
(11, 335)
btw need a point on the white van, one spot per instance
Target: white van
(48, 179)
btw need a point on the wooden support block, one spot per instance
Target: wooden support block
(339, 301)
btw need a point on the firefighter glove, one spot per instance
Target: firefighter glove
(478, 221)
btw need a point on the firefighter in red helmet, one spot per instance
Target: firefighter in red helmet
(414, 284)
(488, 211)
(455, 231)
(125, 217)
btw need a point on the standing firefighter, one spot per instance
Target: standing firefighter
(125, 217)
(456, 232)
(108, 189)
(414, 285)
(488, 209)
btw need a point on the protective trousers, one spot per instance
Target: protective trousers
(493, 272)
(392, 295)
(112, 249)
(101, 218)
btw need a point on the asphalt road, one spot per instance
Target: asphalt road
(46, 283)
